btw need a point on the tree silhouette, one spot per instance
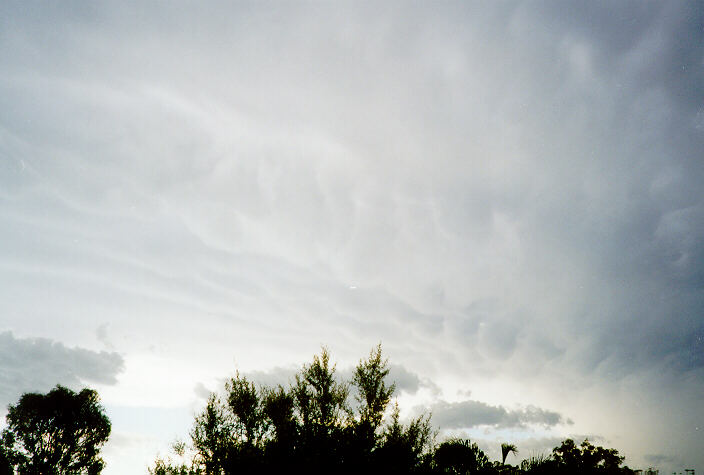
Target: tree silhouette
(588, 459)
(212, 436)
(308, 427)
(460, 456)
(506, 449)
(373, 397)
(5, 465)
(403, 448)
(313, 427)
(321, 406)
(245, 405)
(55, 433)
(278, 408)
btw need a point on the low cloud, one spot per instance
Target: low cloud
(405, 380)
(38, 364)
(201, 391)
(470, 413)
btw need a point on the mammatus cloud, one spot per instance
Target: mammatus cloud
(553, 169)
(494, 190)
(37, 364)
(468, 414)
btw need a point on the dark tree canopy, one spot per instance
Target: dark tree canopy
(587, 458)
(5, 465)
(460, 456)
(309, 427)
(320, 424)
(60, 432)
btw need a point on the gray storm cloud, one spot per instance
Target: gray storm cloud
(38, 364)
(468, 414)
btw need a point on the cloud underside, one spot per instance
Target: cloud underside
(505, 189)
(495, 191)
(38, 364)
(469, 414)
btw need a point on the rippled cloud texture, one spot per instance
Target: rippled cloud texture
(508, 196)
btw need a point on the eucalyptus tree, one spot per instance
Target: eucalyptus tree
(374, 394)
(212, 436)
(322, 400)
(373, 397)
(322, 412)
(59, 432)
(245, 405)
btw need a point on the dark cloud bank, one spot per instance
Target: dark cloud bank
(468, 414)
(37, 364)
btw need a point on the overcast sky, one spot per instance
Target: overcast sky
(508, 196)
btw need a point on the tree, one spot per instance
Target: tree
(5, 465)
(211, 436)
(321, 407)
(588, 459)
(59, 432)
(373, 396)
(179, 467)
(404, 449)
(507, 449)
(460, 457)
(310, 427)
(245, 405)
(325, 398)
(278, 407)
(373, 393)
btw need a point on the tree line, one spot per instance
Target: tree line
(322, 425)
(316, 425)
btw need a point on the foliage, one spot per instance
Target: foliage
(315, 426)
(309, 426)
(212, 436)
(506, 449)
(246, 407)
(373, 393)
(587, 459)
(404, 449)
(460, 456)
(5, 465)
(538, 465)
(56, 433)
(163, 467)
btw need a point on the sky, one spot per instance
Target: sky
(507, 196)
